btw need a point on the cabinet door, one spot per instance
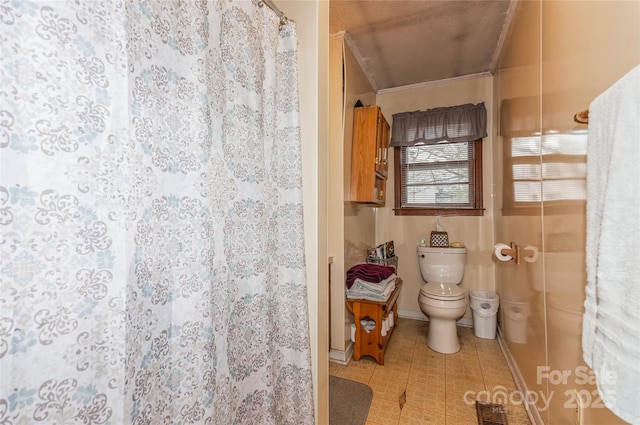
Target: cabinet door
(382, 145)
(369, 156)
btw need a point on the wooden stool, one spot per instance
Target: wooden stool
(373, 343)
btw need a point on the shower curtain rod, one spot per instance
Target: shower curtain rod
(271, 5)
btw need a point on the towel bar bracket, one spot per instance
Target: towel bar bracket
(517, 253)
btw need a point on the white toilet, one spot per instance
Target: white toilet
(440, 298)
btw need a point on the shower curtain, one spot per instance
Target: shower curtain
(151, 240)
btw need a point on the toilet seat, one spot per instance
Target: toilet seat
(442, 291)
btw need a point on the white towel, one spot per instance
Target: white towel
(379, 287)
(364, 294)
(611, 325)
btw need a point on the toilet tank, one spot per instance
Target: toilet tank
(442, 265)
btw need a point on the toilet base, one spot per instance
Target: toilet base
(443, 336)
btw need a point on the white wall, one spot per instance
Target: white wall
(312, 21)
(351, 225)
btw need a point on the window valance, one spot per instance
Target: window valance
(462, 123)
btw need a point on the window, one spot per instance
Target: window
(549, 169)
(440, 179)
(438, 160)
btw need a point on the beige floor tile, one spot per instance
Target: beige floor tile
(400, 351)
(461, 409)
(424, 356)
(389, 389)
(500, 394)
(384, 411)
(492, 358)
(334, 368)
(360, 371)
(403, 342)
(464, 375)
(426, 397)
(490, 354)
(398, 357)
(462, 361)
(406, 332)
(497, 372)
(410, 323)
(495, 367)
(452, 420)
(455, 385)
(389, 378)
(462, 368)
(395, 364)
(441, 389)
(498, 380)
(430, 377)
(429, 368)
(418, 416)
(467, 343)
(463, 395)
(466, 337)
(421, 337)
(374, 421)
(466, 354)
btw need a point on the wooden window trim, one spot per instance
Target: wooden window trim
(476, 210)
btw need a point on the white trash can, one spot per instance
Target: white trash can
(484, 306)
(516, 311)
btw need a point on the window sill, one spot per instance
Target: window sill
(550, 208)
(440, 211)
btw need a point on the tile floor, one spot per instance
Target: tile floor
(441, 389)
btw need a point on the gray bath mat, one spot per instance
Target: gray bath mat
(349, 401)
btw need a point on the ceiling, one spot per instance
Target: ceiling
(400, 43)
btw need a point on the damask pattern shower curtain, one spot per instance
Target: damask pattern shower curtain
(151, 250)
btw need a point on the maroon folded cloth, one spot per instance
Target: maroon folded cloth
(373, 273)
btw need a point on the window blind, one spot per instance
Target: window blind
(440, 175)
(549, 168)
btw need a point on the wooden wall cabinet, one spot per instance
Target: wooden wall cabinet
(370, 156)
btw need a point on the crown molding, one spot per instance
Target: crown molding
(436, 82)
(358, 56)
(503, 34)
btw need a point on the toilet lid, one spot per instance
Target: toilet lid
(442, 291)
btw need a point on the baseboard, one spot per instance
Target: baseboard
(532, 410)
(410, 314)
(466, 322)
(342, 357)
